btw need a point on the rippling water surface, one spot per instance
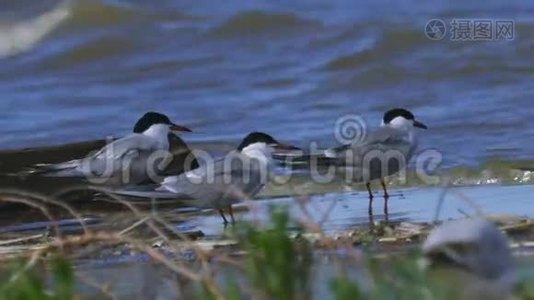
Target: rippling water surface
(85, 69)
(288, 68)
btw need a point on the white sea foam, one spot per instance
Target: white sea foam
(25, 35)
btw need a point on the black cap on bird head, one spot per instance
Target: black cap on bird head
(256, 137)
(152, 118)
(391, 114)
(260, 137)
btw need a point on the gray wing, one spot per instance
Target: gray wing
(382, 153)
(356, 158)
(150, 191)
(125, 146)
(133, 150)
(228, 180)
(64, 169)
(127, 160)
(382, 139)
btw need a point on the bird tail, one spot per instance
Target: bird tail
(145, 194)
(150, 191)
(65, 169)
(292, 160)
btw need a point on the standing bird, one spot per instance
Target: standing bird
(473, 257)
(219, 183)
(380, 153)
(129, 160)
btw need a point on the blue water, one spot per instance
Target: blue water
(287, 68)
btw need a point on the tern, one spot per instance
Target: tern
(128, 160)
(219, 183)
(475, 255)
(378, 154)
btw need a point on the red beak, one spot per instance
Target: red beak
(281, 146)
(175, 127)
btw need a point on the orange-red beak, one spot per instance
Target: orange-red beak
(175, 127)
(282, 146)
(419, 125)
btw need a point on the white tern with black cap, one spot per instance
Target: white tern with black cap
(238, 176)
(122, 162)
(377, 154)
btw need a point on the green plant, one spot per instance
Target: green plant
(27, 285)
(278, 267)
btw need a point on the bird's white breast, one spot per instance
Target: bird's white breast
(160, 133)
(259, 151)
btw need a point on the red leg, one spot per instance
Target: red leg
(225, 222)
(368, 185)
(231, 212)
(383, 183)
